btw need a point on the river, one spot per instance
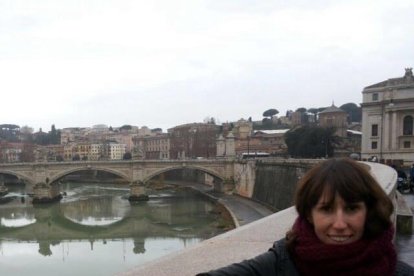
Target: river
(94, 230)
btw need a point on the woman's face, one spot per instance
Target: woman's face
(340, 222)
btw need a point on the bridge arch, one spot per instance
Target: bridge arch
(26, 179)
(180, 167)
(78, 169)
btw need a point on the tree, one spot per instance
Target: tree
(127, 156)
(311, 142)
(9, 132)
(27, 153)
(314, 111)
(209, 120)
(76, 157)
(301, 110)
(42, 138)
(270, 113)
(125, 127)
(26, 130)
(354, 112)
(266, 121)
(59, 158)
(54, 136)
(320, 109)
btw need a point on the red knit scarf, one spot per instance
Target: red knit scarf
(363, 257)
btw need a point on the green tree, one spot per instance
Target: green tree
(314, 111)
(59, 158)
(127, 156)
(125, 127)
(354, 112)
(42, 138)
(311, 142)
(270, 113)
(9, 132)
(301, 110)
(54, 136)
(27, 154)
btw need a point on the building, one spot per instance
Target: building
(10, 152)
(334, 117)
(96, 152)
(242, 129)
(116, 151)
(193, 140)
(154, 147)
(388, 120)
(266, 141)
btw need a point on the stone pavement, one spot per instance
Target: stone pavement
(405, 243)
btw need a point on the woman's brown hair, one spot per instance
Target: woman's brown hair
(351, 181)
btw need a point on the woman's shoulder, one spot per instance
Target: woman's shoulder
(404, 269)
(279, 248)
(283, 262)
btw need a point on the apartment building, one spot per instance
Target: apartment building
(116, 151)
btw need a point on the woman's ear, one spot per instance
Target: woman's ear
(309, 218)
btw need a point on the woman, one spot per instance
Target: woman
(343, 228)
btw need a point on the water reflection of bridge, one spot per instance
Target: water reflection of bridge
(50, 226)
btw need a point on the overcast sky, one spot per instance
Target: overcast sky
(162, 63)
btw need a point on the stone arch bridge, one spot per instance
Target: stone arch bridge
(228, 173)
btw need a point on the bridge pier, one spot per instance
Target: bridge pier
(3, 188)
(137, 192)
(44, 193)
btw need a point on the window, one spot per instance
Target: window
(408, 125)
(374, 145)
(374, 130)
(407, 144)
(375, 97)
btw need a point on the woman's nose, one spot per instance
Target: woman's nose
(339, 220)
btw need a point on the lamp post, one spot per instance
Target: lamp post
(248, 146)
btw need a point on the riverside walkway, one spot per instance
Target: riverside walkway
(242, 210)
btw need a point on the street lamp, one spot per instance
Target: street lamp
(248, 146)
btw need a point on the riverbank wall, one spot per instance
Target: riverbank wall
(274, 182)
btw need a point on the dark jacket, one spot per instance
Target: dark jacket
(277, 261)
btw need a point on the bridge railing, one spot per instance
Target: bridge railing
(244, 242)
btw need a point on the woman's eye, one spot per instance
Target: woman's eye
(352, 208)
(325, 208)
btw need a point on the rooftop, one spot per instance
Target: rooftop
(407, 79)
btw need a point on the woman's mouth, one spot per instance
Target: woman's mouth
(339, 239)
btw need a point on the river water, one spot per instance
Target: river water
(94, 230)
